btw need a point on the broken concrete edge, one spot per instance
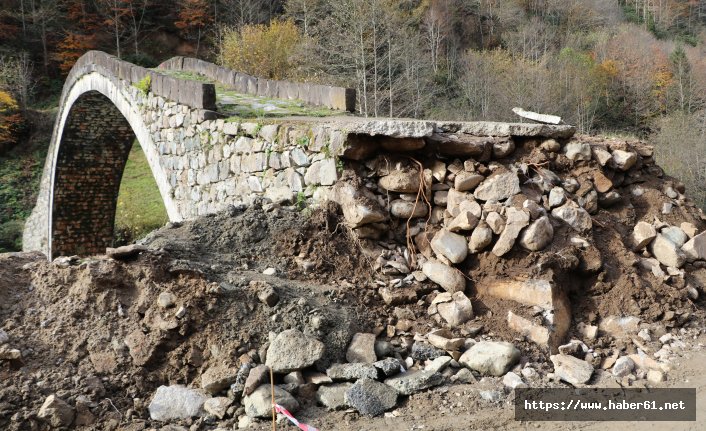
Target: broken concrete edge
(544, 294)
(187, 92)
(447, 137)
(536, 116)
(338, 98)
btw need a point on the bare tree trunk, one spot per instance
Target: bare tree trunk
(22, 15)
(375, 62)
(198, 42)
(389, 68)
(364, 69)
(116, 28)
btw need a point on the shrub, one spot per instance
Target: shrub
(144, 84)
(261, 50)
(11, 121)
(11, 236)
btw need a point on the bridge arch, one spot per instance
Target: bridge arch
(99, 118)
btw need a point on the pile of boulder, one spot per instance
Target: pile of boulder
(498, 200)
(374, 379)
(670, 246)
(434, 207)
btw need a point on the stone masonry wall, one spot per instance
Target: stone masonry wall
(203, 163)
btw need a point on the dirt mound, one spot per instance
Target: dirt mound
(203, 301)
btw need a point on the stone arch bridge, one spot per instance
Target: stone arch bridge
(201, 159)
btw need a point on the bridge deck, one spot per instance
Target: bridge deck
(246, 106)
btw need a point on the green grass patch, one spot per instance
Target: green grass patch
(244, 106)
(140, 207)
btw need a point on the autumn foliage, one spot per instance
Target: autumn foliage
(10, 121)
(194, 17)
(262, 50)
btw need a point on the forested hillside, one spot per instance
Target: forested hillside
(634, 67)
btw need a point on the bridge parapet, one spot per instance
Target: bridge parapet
(191, 93)
(338, 98)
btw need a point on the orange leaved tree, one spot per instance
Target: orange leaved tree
(193, 18)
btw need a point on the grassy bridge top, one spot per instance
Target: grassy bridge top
(247, 106)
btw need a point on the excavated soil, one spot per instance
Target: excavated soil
(72, 320)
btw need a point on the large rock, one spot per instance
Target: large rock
(689, 228)
(571, 370)
(259, 403)
(675, 234)
(503, 148)
(493, 358)
(292, 350)
(451, 279)
(176, 402)
(358, 206)
(450, 245)
(457, 311)
(256, 377)
(619, 327)
(624, 160)
(217, 406)
(465, 221)
(573, 215)
(602, 183)
(557, 197)
(361, 349)
(496, 222)
(498, 187)
(538, 235)
(466, 181)
(695, 248)
(352, 372)
(529, 329)
(333, 397)
(516, 221)
(371, 397)
(407, 181)
(666, 252)
(125, 252)
(575, 150)
(388, 366)
(443, 339)
(642, 234)
(532, 293)
(513, 381)
(413, 382)
(405, 209)
(56, 412)
(217, 378)
(623, 366)
(481, 237)
(601, 155)
(493, 128)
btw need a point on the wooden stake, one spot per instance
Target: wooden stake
(272, 387)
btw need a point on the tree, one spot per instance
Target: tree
(114, 13)
(262, 50)
(73, 46)
(194, 16)
(10, 120)
(136, 14)
(16, 77)
(304, 13)
(237, 13)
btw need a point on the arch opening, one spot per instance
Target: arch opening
(95, 144)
